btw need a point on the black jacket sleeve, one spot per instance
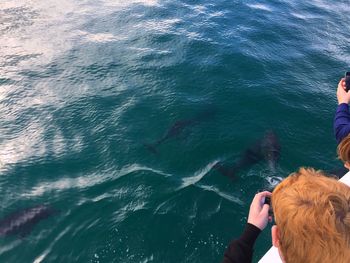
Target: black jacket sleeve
(241, 250)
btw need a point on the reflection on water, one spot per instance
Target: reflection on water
(35, 35)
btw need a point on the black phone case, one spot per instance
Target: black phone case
(347, 81)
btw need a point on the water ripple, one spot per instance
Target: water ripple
(191, 180)
(224, 195)
(87, 181)
(42, 256)
(260, 7)
(82, 83)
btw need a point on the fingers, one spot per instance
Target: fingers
(259, 212)
(341, 83)
(261, 196)
(342, 95)
(265, 210)
(259, 199)
(266, 194)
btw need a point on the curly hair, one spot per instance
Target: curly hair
(312, 213)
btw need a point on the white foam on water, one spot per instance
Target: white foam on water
(274, 180)
(86, 181)
(162, 25)
(149, 259)
(197, 175)
(122, 213)
(222, 194)
(9, 247)
(164, 207)
(304, 16)
(150, 50)
(42, 256)
(260, 7)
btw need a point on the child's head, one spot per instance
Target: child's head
(343, 151)
(312, 215)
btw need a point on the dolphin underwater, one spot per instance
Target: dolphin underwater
(265, 149)
(23, 221)
(179, 126)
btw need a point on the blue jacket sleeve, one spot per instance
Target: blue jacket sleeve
(342, 122)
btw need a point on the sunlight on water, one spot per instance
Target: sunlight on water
(32, 42)
(22, 147)
(99, 37)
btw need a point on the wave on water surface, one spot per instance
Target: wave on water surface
(197, 177)
(81, 82)
(260, 7)
(49, 248)
(191, 180)
(222, 194)
(86, 181)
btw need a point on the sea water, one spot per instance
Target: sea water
(85, 86)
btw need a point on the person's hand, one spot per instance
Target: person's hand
(342, 95)
(259, 212)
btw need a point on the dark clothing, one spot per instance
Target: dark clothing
(338, 172)
(241, 250)
(342, 122)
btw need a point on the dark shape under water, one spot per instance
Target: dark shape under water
(23, 221)
(265, 149)
(179, 126)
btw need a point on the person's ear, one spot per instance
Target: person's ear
(347, 165)
(275, 236)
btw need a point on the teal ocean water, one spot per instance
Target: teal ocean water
(85, 86)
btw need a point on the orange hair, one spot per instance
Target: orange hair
(312, 214)
(343, 149)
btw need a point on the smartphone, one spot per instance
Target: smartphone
(347, 81)
(267, 200)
